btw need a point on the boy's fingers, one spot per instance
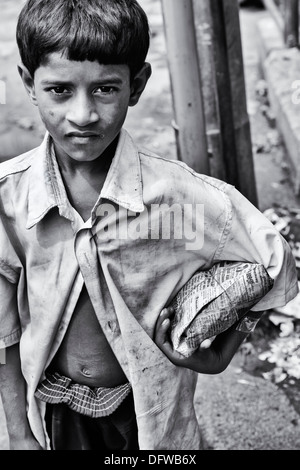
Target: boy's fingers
(162, 339)
(162, 327)
(166, 313)
(161, 331)
(163, 315)
(206, 344)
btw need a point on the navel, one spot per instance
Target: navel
(86, 372)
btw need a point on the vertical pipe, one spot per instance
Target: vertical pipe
(223, 87)
(206, 53)
(291, 23)
(186, 84)
(242, 132)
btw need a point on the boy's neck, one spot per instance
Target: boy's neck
(84, 181)
(92, 168)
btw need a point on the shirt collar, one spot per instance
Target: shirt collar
(123, 184)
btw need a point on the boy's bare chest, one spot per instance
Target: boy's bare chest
(85, 354)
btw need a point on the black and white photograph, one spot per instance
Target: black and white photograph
(150, 228)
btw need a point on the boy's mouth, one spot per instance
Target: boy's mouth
(83, 134)
(84, 137)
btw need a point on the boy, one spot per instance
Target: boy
(96, 239)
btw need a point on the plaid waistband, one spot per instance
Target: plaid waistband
(94, 402)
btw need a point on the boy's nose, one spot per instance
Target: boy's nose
(82, 112)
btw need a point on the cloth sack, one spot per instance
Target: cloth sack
(213, 300)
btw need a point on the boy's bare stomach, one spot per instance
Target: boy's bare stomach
(85, 355)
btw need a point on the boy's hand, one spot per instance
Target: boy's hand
(209, 358)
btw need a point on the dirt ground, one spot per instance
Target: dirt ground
(150, 121)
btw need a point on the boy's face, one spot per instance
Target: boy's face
(83, 104)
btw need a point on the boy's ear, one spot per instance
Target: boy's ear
(28, 82)
(139, 83)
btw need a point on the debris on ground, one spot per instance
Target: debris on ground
(277, 340)
(262, 96)
(284, 353)
(266, 143)
(287, 222)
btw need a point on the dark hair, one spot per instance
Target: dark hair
(107, 31)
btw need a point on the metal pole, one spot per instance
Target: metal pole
(186, 84)
(223, 89)
(206, 52)
(291, 23)
(243, 141)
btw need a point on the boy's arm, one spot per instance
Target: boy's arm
(13, 394)
(212, 360)
(251, 237)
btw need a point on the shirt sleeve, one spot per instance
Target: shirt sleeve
(250, 236)
(10, 330)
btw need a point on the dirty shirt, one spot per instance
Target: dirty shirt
(156, 222)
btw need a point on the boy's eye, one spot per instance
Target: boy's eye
(62, 90)
(59, 90)
(106, 90)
